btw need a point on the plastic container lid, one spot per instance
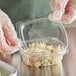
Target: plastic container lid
(40, 29)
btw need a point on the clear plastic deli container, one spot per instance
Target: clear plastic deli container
(43, 42)
(7, 70)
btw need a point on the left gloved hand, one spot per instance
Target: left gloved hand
(8, 36)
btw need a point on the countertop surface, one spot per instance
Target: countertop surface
(66, 68)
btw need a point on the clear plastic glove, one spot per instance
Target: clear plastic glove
(63, 11)
(3, 57)
(9, 42)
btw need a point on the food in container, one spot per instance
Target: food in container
(42, 52)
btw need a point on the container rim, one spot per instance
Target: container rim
(62, 52)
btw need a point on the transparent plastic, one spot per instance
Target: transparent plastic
(7, 70)
(45, 31)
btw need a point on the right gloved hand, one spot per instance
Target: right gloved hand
(63, 11)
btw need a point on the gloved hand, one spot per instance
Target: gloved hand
(63, 11)
(8, 36)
